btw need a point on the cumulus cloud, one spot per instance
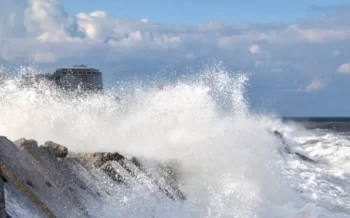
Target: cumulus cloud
(255, 49)
(344, 68)
(41, 30)
(98, 14)
(278, 56)
(47, 21)
(317, 35)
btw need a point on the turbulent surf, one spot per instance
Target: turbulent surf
(231, 162)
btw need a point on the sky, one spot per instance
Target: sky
(296, 53)
(200, 11)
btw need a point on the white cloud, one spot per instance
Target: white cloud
(315, 85)
(46, 19)
(41, 30)
(323, 35)
(344, 68)
(95, 25)
(211, 26)
(102, 14)
(255, 49)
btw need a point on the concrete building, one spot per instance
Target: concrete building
(71, 78)
(78, 76)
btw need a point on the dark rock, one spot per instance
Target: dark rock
(162, 175)
(278, 134)
(59, 151)
(137, 162)
(48, 184)
(127, 165)
(29, 183)
(99, 158)
(50, 179)
(287, 149)
(304, 158)
(112, 157)
(2, 200)
(27, 168)
(312, 141)
(171, 173)
(112, 173)
(82, 186)
(26, 144)
(3, 178)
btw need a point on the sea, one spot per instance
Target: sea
(232, 162)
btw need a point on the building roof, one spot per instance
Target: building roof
(79, 67)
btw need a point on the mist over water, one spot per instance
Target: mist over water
(230, 164)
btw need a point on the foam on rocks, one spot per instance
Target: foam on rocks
(47, 181)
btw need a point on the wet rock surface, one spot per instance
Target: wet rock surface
(47, 181)
(288, 150)
(99, 158)
(57, 150)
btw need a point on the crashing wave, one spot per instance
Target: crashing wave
(224, 162)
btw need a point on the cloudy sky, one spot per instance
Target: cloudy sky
(297, 53)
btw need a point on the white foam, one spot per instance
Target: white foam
(230, 164)
(325, 183)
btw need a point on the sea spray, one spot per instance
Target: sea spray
(229, 164)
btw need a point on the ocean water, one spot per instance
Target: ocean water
(230, 162)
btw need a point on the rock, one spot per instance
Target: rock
(49, 183)
(137, 162)
(59, 151)
(29, 183)
(310, 142)
(28, 168)
(162, 175)
(305, 158)
(287, 149)
(3, 178)
(26, 144)
(113, 174)
(99, 158)
(2, 200)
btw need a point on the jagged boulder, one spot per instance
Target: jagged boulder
(23, 143)
(98, 159)
(288, 149)
(163, 175)
(47, 179)
(57, 150)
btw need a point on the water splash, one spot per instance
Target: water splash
(229, 162)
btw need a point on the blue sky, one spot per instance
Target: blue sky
(200, 11)
(296, 53)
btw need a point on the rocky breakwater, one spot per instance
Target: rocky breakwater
(47, 181)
